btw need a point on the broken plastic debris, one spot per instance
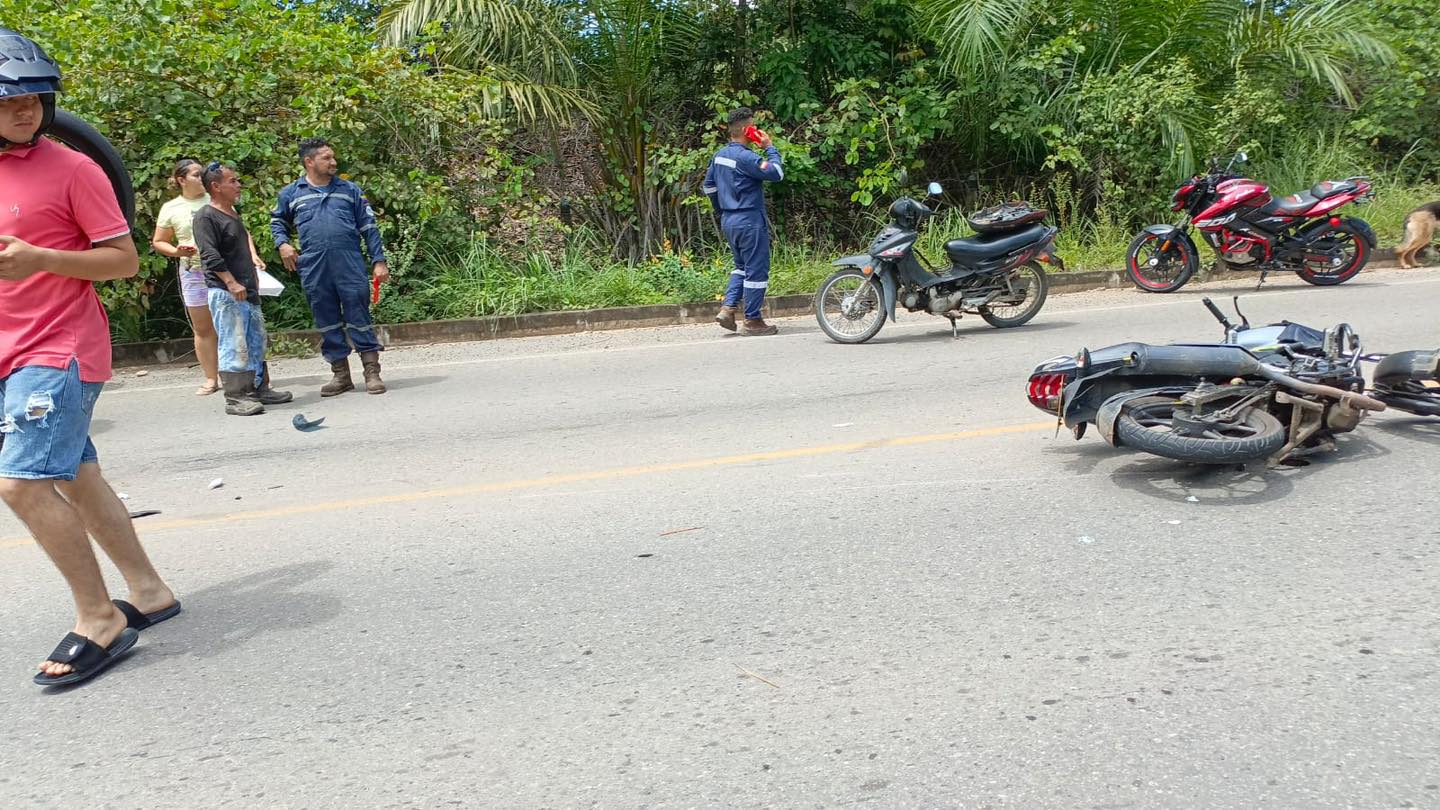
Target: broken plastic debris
(217, 483)
(843, 424)
(306, 425)
(1173, 522)
(1085, 539)
(144, 513)
(122, 496)
(1192, 499)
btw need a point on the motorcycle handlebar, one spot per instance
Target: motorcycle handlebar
(1219, 316)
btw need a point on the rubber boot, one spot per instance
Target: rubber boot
(371, 362)
(341, 382)
(726, 318)
(266, 395)
(238, 386)
(756, 327)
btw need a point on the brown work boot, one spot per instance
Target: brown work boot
(238, 389)
(373, 383)
(341, 382)
(726, 318)
(756, 327)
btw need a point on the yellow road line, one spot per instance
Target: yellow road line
(596, 475)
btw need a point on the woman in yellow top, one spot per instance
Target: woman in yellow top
(174, 239)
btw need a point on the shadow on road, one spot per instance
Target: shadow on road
(1231, 485)
(403, 383)
(1212, 485)
(1420, 428)
(978, 328)
(230, 614)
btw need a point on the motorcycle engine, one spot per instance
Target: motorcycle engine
(1236, 250)
(1241, 256)
(911, 300)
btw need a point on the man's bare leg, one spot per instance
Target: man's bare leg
(108, 521)
(57, 527)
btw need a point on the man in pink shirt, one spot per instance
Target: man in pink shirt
(61, 230)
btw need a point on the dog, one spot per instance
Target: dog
(1419, 230)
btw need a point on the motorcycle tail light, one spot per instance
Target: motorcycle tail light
(1334, 222)
(1044, 390)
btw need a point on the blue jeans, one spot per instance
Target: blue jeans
(241, 333)
(46, 428)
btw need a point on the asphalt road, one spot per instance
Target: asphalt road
(668, 568)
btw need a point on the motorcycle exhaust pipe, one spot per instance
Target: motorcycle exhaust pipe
(1349, 399)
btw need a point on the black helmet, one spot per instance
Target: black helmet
(25, 70)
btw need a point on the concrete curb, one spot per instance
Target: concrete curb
(595, 320)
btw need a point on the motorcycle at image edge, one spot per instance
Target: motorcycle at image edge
(1275, 392)
(1249, 229)
(996, 274)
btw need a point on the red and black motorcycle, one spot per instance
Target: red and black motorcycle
(1249, 229)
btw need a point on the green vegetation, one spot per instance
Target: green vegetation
(540, 154)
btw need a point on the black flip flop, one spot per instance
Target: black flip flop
(86, 657)
(136, 620)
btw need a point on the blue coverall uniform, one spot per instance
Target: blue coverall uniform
(331, 222)
(735, 185)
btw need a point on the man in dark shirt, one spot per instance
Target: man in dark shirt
(231, 264)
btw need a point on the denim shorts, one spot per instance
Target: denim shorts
(46, 428)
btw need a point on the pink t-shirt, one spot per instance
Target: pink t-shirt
(54, 197)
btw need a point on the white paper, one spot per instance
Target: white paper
(269, 285)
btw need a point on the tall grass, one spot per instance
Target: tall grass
(480, 280)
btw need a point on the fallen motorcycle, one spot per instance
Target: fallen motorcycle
(996, 274)
(1274, 392)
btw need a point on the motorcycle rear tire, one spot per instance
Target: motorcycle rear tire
(77, 134)
(1042, 284)
(1190, 263)
(1269, 436)
(1362, 257)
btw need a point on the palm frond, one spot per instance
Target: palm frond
(516, 47)
(971, 34)
(1327, 40)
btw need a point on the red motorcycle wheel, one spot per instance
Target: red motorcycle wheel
(1355, 251)
(1160, 271)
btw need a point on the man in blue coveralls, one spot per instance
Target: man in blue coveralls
(735, 185)
(332, 217)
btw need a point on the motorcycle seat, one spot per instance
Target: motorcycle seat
(1292, 206)
(1329, 188)
(991, 245)
(1302, 201)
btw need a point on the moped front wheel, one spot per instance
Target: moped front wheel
(849, 307)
